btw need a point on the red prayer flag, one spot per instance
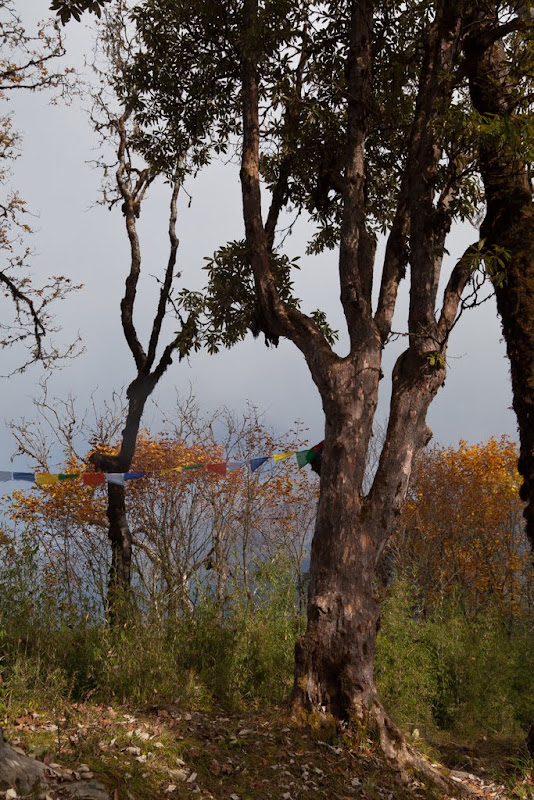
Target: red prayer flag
(220, 469)
(93, 478)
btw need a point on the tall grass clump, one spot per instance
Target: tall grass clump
(405, 674)
(242, 651)
(447, 670)
(238, 653)
(47, 640)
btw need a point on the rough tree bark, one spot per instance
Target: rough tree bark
(334, 669)
(119, 533)
(509, 220)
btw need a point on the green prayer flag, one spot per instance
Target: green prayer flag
(305, 457)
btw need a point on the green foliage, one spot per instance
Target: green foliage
(405, 676)
(435, 359)
(449, 672)
(46, 640)
(73, 9)
(442, 671)
(230, 305)
(243, 653)
(230, 300)
(509, 133)
(183, 85)
(239, 654)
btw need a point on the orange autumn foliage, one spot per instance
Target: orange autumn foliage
(86, 505)
(69, 500)
(462, 527)
(181, 519)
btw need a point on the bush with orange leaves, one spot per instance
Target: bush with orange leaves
(462, 529)
(193, 530)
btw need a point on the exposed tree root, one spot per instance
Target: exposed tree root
(407, 759)
(401, 756)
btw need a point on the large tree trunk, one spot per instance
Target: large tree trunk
(508, 224)
(334, 660)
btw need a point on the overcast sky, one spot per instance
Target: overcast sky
(87, 243)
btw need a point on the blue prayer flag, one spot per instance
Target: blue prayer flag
(255, 463)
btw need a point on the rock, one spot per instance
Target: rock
(87, 790)
(17, 769)
(30, 776)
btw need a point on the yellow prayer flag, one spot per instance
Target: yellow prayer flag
(45, 479)
(172, 469)
(280, 456)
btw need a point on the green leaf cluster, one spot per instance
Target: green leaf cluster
(182, 85)
(73, 9)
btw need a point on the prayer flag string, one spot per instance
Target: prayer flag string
(303, 457)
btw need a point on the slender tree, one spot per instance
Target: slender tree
(130, 182)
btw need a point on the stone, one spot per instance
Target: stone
(37, 779)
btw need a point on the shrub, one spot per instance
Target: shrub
(473, 676)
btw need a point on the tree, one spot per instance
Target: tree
(27, 63)
(129, 185)
(498, 63)
(328, 117)
(216, 532)
(193, 530)
(356, 115)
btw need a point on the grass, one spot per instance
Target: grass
(142, 755)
